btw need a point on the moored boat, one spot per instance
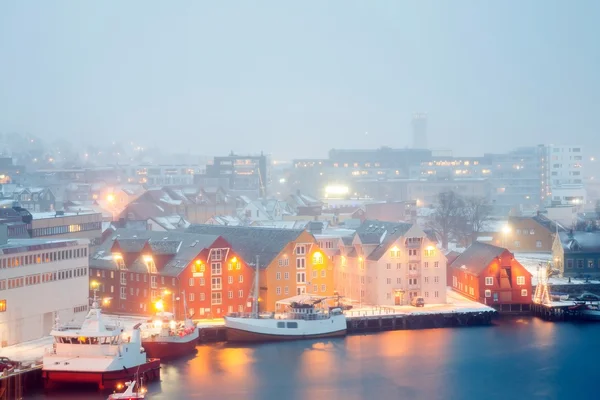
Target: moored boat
(96, 352)
(168, 338)
(303, 320)
(590, 312)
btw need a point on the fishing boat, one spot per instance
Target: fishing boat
(302, 320)
(590, 312)
(168, 338)
(96, 352)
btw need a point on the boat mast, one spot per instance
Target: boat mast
(256, 291)
(184, 305)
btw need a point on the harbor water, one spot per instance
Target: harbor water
(516, 358)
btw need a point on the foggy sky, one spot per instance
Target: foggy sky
(297, 78)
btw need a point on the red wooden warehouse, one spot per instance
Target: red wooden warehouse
(491, 275)
(138, 270)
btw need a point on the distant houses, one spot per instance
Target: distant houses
(577, 254)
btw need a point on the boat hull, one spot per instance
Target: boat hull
(247, 336)
(269, 329)
(165, 349)
(590, 315)
(104, 379)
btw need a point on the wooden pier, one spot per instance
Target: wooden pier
(17, 383)
(393, 321)
(556, 312)
(381, 319)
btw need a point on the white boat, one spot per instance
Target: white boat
(303, 320)
(129, 394)
(96, 353)
(591, 313)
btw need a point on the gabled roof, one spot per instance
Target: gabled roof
(250, 242)
(549, 224)
(176, 248)
(580, 242)
(383, 234)
(477, 257)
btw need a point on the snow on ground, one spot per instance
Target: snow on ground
(531, 262)
(455, 303)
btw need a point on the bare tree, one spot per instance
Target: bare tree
(477, 213)
(448, 213)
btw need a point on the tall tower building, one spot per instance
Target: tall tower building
(419, 128)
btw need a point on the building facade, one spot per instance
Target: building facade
(291, 260)
(564, 181)
(387, 263)
(577, 254)
(529, 234)
(40, 280)
(491, 275)
(190, 273)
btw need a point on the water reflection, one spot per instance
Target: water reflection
(518, 358)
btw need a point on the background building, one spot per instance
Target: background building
(40, 280)
(419, 129)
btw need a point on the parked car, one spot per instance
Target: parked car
(6, 363)
(418, 301)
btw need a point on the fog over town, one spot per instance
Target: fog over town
(177, 175)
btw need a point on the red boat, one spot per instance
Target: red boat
(167, 338)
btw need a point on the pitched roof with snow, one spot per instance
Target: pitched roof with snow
(250, 242)
(177, 249)
(477, 257)
(580, 242)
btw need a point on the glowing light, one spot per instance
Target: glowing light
(166, 292)
(172, 324)
(234, 260)
(110, 198)
(119, 386)
(159, 305)
(395, 248)
(106, 301)
(94, 284)
(282, 180)
(117, 256)
(148, 259)
(157, 323)
(337, 190)
(506, 230)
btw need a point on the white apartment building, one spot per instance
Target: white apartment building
(565, 175)
(40, 280)
(388, 263)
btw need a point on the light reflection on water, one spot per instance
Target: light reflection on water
(518, 358)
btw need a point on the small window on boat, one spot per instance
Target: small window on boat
(281, 324)
(292, 325)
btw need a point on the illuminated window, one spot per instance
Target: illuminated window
(2, 305)
(395, 252)
(119, 261)
(318, 258)
(520, 280)
(429, 252)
